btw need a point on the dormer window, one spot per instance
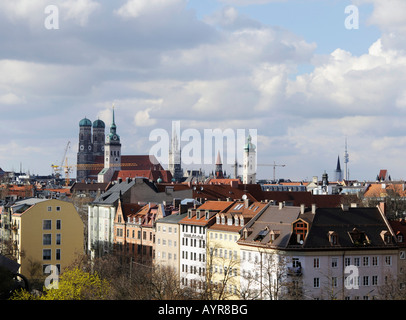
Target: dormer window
(359, 237)
(217, 219)
(273, 235)
(198, 214)
(223, 219)
(300, 230)
(386, 236)
(236, 220)
(399, 237)
(333, 238)
(230, 221)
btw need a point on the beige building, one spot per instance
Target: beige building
(168, 240)
(45, 232)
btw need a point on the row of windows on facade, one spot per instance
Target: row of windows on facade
(47, 254)
(193, 256)
(120, 233)
(193, 229)
(47, 224)
(356, 261)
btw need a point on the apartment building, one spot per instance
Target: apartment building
(193, 239)
(46, 232)
(223, 261)
(321, 253)
(168, 241)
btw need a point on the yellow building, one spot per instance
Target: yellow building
(223, 261)
(45, 232)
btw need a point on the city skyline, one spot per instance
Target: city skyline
(289, 69)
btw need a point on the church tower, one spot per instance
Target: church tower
(112, 154)
(339, 174)
(175, 162)
(249, 162)
(219, 167)
(98, 137)
(85, 155)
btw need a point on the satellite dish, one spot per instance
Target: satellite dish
(244, 197)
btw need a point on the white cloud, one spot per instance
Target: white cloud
(143, 118)
(137, 8)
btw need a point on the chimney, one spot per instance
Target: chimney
(280, 205)
(314, 207)
(302, 208)
(246, 203)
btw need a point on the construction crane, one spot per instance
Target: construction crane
(58, 169)
(274, 165)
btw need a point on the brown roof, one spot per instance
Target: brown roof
(379, 190)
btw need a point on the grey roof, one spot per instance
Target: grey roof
(272, 220)
(173, 218)
(112, 195)
(342, 222)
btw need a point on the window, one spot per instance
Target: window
(46, 254)
(58, 224)
(49, 209)
(388, 260)
(58, 238)
(46, 224)
(365, 261)
(334, 282)
(357, 262)
(347, 261)
(365, 280)
(58, 254)
(46, 239)
(402, 255)
(316, 263)
(316, 282)
(375, 261)
(58, 208)
(334, 262)
(374, 280)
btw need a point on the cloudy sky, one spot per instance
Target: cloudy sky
(290, 69)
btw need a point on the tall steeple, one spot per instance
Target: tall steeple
(338, 172)
(175, 161)
(219, 167)
(112, 154)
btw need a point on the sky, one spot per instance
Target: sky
(305, 75)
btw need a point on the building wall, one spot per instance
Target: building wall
(192, 256)
(167, 245)
(224, 259)
(30, 234)
(100, 229)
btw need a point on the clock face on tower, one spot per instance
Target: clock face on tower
(82, 147)
(114, 137)
(90, 148)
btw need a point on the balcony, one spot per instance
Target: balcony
(294, 271)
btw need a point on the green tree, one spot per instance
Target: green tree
(74, 284)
